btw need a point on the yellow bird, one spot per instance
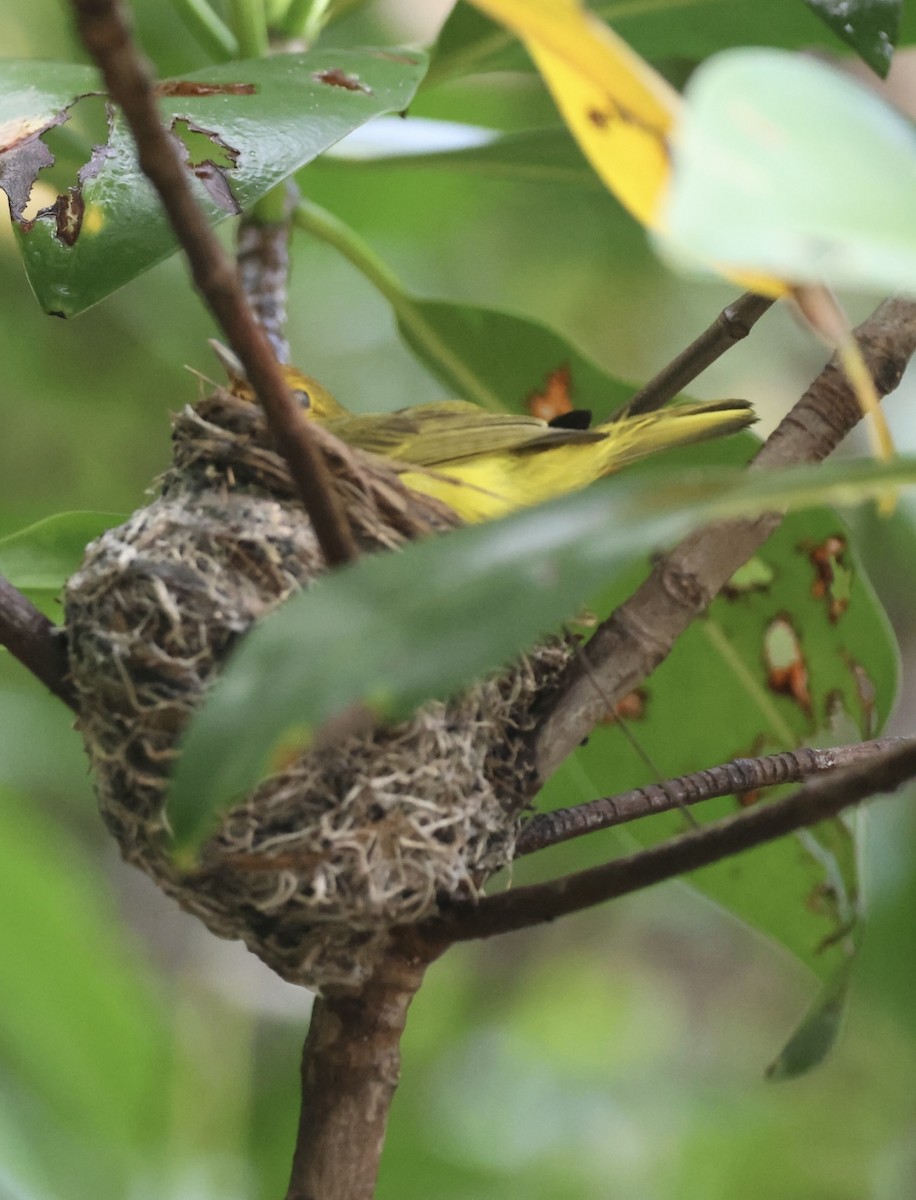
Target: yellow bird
(485, 464)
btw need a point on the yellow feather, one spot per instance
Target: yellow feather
(485, 464)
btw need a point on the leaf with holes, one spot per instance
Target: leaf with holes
(797, 650)
(242, 128)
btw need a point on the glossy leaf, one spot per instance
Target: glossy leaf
(245, 127)
(869, 26)
(39, 559)
(764, 139)
(443, 612)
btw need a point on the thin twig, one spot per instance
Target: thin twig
(632, 642)
(819, 800)
(105, 30)
(741, 775)
(35, 641)
(733, 323)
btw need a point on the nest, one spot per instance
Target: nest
(323, 859)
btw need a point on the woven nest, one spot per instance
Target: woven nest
(317, 865)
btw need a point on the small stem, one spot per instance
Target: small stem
(331, 230)
(305, 19)
(740, 775)
(250, 25)
(732, 324)
(209, 28)
(819, 800)
(35, 641)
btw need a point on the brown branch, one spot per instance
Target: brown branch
(733, 323)
(105, 30)
(632, 642)
(738, 776)
(35, 641)
(818, 800)
(350, 1069)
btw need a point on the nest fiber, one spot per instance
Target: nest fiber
(313, 868)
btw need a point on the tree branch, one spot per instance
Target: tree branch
(818, 800)
(104, 28)
(738, 776)
(632, 642)
(350, 1069)
(35, 641)
(733, 323)
(262, 254)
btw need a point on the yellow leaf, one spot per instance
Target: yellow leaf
(624, 116)
(619, 109)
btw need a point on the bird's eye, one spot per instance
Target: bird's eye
(303, 397)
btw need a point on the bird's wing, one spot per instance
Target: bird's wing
(431, 435)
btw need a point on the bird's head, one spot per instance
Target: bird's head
(315, 399)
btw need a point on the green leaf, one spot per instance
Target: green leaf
(440, 614)
(498, 359)
(672, 29)
(259, 122)
(763, 144)
(493, 358)
(815, 1036)
(81, 1024)
(40, 558)
(869, 26)
(796, 651)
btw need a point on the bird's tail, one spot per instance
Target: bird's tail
(631, 438)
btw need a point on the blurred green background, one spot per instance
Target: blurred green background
(619, 1054)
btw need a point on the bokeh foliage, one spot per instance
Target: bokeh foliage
(617, 1054)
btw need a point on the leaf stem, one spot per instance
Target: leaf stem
(209, 28)
(250, 24)
(305, 19)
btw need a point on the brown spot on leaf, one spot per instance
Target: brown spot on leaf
(338, 78)
(786, 669)
(556, 397)
(832, 574)
(631, 707)
(599, 118)
(188, 87)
